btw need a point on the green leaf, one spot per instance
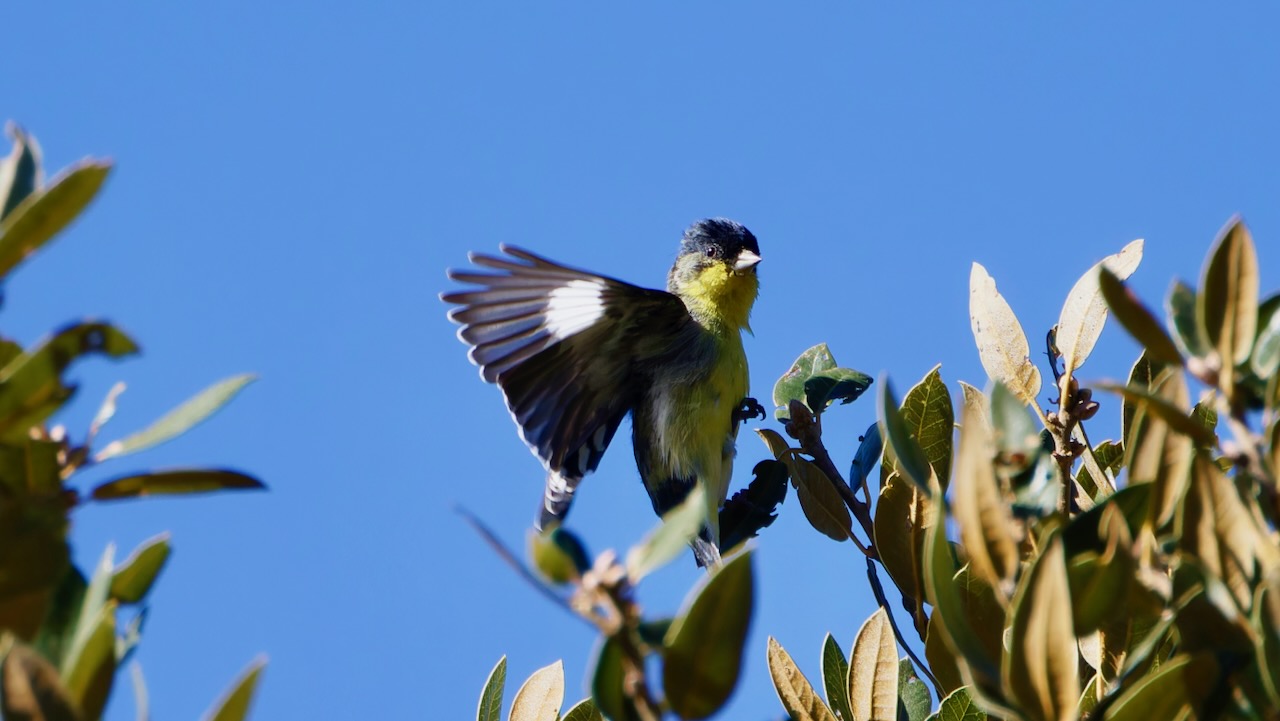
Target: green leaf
(907, 454)
(1041, 668)
(815, 378)
(584, 710)
(821, 502)
(1136, 319)
(794, 691)
(1002, 344)
(46, 211)
(791, 385)
(1266, 351)
(930, 419)
(1085, 311)
(913, 696)
(92, 665)
(180, 481)
(1227, 306)
(558, 554)
(671, 536)
(32, 689)
(234, 704)
(835, 677)
(134, 577)
(92, 607)
(490, 708)
(1179, 419)
(1175, 690)
(62, 614)
(1101, 581)
(903, 514)
(607, 682)
(20, 172)
(191, 413)
(541, 695)
(753, 508)
(703, 657)
(31, 386)
(873, 670)
(1160, 455)
(959, 706)
(1180, 305)
(1266, 619)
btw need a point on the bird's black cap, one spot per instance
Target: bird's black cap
(729, 237)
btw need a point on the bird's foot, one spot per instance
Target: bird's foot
(748, 409)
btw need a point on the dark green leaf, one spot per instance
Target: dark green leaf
(821, 502)
(607, 679)
(1085, 530)
(914, 701)
(19, 172)
(791, 385)
(654, 632)
(866, 457)
(1136, 319)
(175, 482)
(490, 708)
(1140, 378)
(930, 419)
(134, 577)
(192, 412)
(1178, 688)
(835, 677)
(1177, 418)
(1100, 581)
(753, 508)
(45, 212)
(59, 624)
(703, 657)
(907, 454)
(584, 710)
(234, 704)
(838, 384)
(1181, 307)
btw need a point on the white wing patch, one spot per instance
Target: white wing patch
(574, 307)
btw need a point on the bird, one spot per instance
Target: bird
(574, 352)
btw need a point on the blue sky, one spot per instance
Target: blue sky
(294, 179)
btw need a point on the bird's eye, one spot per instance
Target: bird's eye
(713, 251)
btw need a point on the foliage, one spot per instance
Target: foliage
(65, 632)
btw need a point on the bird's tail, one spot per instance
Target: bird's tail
(557, 498)
(705, 551)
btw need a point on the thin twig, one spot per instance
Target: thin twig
(511, 560)
(878, 590)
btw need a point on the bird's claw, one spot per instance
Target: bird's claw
(748, 409)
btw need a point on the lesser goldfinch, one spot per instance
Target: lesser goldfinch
(574, 352)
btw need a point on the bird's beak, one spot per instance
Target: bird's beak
(746, 259)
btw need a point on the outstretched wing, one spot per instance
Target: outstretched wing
(561, 343)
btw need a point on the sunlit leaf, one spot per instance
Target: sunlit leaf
(703, 657)
(541, 695)
(584, 710)
(47, 210)
(1180, 305)
(1085, 311)
(903, 514)
(20, 171)
(981, 512)
(907, 454)
(1266, 352)
(1266, 619)
(1179, 419)
(1227, 306)
(670, 537)
(490, 708)
(929, 418)
(960, 706)
(873, 671)
(1042, 666)
(1002, 344)
(175, 482)
(815, 379)
(192, 412)
(558, 554)
(794, 691)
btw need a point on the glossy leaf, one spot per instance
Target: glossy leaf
(1136, 319)
(1227, 306)
(490, 708)
(1002, 344)
(835, 678)
(959, 706)
(134, 577)
(703, 657)
(180, 481)
(20, 172)
(32, 689)
(929, 418)
(541, 695)
(821, 502)
(47, 210)
(1181, 308)
(1177, 688)
(981, 511)
(794, 691)
(234, 704)
(670, 537)
(907, 455)
(815, 379)
(191, 413)
(1041, 668)
(873, 671)
(1085, 311)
